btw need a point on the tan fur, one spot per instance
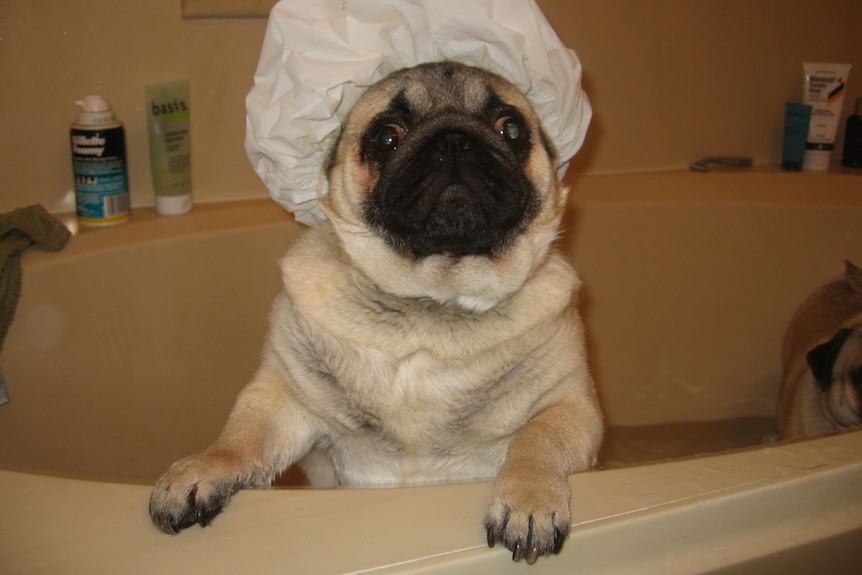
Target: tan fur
(803, 409)
(383, 369)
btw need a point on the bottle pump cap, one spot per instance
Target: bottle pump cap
(95, 111)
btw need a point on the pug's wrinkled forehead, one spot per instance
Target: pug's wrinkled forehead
(434, 88)
(427, 90)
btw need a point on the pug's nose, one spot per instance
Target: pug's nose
(452, 144)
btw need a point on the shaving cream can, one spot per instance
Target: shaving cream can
(99, 164)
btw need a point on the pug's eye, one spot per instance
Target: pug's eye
(509, 128)
(387, 138)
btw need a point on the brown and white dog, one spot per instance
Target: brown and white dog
(428, 330)
(821, 387)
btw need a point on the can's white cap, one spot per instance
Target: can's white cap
(173, 205)
(94, 111)
(816, 160)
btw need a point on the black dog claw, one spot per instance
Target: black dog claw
(533, 555)
(517, 552)
(559, 538)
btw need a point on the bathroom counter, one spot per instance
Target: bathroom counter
(761, 509)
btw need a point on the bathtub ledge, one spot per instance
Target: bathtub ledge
(773, 509)
(763, 185)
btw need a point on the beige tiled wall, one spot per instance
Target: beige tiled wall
(670, 80)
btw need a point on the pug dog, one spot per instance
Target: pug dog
(427, 331)
(821, 386)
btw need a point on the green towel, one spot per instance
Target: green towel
(19, 229)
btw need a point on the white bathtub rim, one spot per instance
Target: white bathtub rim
(634, 516)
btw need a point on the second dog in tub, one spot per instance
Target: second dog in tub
(821, 385)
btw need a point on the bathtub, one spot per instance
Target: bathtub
(129, 346)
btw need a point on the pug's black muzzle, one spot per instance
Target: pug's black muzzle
(454, 187)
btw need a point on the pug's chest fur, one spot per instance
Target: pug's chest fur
(418, 419)
(423, 400)
(395, 417)
(410, 389)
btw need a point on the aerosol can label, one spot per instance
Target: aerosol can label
(101, 178)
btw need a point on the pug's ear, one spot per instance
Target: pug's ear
(853, 275)
(822, 358)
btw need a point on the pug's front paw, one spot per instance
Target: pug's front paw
(193, 491)
(531, 518)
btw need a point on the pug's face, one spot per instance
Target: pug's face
(442, 185)
(837, 369)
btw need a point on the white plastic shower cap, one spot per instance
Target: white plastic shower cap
(318, 57)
